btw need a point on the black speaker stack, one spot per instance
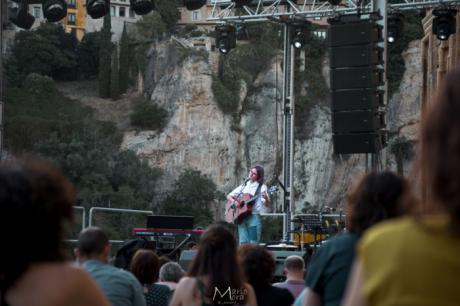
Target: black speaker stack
(356, 79)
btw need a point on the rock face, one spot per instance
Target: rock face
(201, 137)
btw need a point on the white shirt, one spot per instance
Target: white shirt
(251, 188)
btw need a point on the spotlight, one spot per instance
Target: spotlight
(192, 5)
(20, 15)
(54, 10)
(395, 25)
(299, 34)
(97, 8)
(141, 7)
(240, 3)
(444, 23)
(226, 38)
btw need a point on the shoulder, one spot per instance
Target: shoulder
(387, 230)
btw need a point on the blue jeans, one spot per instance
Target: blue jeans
(249, 231)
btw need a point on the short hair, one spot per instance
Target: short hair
(34, 196)
(258, 265)
(377, 197)
(145, 266)
(171, 272)
(294, 263)
(92, 241)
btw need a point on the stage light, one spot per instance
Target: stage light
(20, 15)
(298, 39)
(141, 7)
(192, 5)
(54, 10)
(97, 8)
(395, 25)
(300, 30)
(444, 23)
(226, 38)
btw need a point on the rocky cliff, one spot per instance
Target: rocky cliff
(200, 136)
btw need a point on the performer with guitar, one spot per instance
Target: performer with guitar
(256, 202)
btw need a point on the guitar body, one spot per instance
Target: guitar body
(238, 210)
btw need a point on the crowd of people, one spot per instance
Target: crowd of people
(399, 249)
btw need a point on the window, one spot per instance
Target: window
(121, 12)
(195, 15)
(71, 3)
(36, 12)
(112, 11)
(71, 18)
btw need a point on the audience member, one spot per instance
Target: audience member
(414, 260)
(214, 276)
(120, 286)
(163, 260)
(378, 196)
(170, 275)
(35, 204)
(259, 268)
(294, 269)
(145, 267)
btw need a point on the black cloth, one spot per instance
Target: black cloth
(272, 296)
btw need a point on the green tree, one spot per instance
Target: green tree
(114, 76)
(193, 195)
(88, 55)
(151, 26)
(48, 50)
(148, 116)
(124, 61)
(105, 58)
(168, 12)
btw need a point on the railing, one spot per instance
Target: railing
(94, 209)
(83, 215)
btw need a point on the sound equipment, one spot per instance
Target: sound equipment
(359, 32)
(359, 142)
(356, 77)
(357, 121)
(353, 56)
(355, 99)
(172, 222)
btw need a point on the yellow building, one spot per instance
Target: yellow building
(76, 18)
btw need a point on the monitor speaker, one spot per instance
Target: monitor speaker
(280, 258)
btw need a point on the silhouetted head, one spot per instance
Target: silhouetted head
(145, 266)
(377, 197)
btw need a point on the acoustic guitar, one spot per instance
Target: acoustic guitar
(240, 207)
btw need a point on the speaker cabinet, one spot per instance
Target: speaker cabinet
(353, 56)
(358, 143)
(356, 99)
(357, 121)
(356, 77)
(354, 33)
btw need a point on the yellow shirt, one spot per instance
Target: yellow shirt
(411, 263)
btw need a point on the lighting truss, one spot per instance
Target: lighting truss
(280, 10)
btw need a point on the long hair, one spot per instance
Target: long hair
(440, 149)
(35, 199)
(260, 173)
(377, 197)
(216, 259)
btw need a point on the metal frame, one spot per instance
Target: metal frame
(280, 10)
(94, 209)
